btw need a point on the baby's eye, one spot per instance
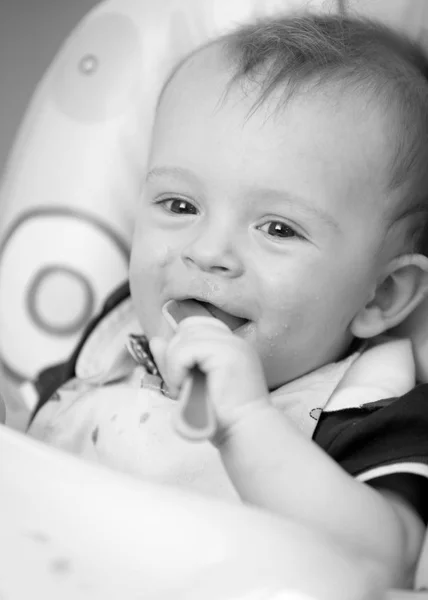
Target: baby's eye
(279, 229)
(179, 206)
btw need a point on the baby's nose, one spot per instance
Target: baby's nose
(214, 250)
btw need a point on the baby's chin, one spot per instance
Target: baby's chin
(151, 321)
(276, 378)
(281, 364)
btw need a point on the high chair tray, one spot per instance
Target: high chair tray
(72, 531)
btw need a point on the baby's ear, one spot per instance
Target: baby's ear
(401, 288)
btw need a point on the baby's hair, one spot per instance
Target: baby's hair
(286, 54)
(283, 54)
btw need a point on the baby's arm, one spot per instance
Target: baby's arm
(274, 466)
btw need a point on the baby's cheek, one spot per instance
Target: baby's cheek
(275, 331)
(150, 253)
(288, 307)
(148, 276)
(292, 321)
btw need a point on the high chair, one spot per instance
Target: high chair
(74, 174)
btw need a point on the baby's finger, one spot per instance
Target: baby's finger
(182, 354)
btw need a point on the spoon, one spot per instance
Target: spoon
(194, 418)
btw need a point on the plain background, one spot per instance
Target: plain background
(31, 33)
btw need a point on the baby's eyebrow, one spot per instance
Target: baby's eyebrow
(177, 172)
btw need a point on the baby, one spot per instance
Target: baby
(286, 193)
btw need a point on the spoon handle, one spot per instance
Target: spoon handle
(194, 418)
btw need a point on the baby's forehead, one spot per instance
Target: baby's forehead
(210, 70)
(205, 65)
(206, 79)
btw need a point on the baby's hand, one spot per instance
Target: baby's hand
(235, 377)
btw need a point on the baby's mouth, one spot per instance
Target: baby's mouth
(188, 307)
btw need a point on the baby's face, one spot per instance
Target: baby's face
(276, 219)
